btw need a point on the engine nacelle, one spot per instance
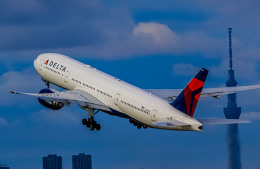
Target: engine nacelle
(54, 105)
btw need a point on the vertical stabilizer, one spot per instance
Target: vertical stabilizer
(187, 100)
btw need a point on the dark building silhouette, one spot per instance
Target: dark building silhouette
(81, 161)
(3, 166)
(52, 162)
(232, 112)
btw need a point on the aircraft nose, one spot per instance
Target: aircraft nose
(37, 63)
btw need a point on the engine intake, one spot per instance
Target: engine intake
(54, 105)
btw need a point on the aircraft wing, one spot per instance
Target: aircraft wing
(80, 97)
(171, 94)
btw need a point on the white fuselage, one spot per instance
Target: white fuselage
(120, 96)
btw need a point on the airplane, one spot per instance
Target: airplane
(94, 91)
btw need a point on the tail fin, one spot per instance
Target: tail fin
(187, 100)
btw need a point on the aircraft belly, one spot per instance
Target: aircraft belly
(118, 114)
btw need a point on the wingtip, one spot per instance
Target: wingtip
(14, 92)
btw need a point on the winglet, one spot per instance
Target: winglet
(187, 100)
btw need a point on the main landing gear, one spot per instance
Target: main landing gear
(91, 124)
(138, 125)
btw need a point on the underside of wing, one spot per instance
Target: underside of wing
(80, 97)
(171, 94)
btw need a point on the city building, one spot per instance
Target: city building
(232, 112)
(81, 161)
(52, 162)
(3, 166)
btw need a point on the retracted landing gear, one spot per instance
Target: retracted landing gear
(138, 125)
(91, 124)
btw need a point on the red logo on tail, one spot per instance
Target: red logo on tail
(192, 93)
(46, 62)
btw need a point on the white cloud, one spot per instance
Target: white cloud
(156, 38)
(22, 81)
(110, 32)
(3, 122)
(160, 33)
(183, 69)
(149, 38)
(250, 116)
(144, 38)
(244, 69)
(55, 117)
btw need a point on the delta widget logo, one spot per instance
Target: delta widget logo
(55, 65)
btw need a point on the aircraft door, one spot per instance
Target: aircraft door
(153, 115)
(117, 99)
(66, 76)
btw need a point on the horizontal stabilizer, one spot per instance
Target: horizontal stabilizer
(170, 123)
(223, 121)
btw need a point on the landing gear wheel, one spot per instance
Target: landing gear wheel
(138, 124)
(98, 126)
(88, 124)
(91, 127)
(91, 124)
(84, 121)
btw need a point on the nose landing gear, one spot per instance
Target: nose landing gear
(46, 83)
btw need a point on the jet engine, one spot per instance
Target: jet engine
(54, 105)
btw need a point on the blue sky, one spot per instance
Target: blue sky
(151, 44)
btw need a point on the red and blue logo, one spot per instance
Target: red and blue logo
(55, 65)
(187, 100)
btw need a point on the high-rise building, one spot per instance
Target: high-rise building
(81, 161)
(52, 162)
(232, 112)
(3, 166)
